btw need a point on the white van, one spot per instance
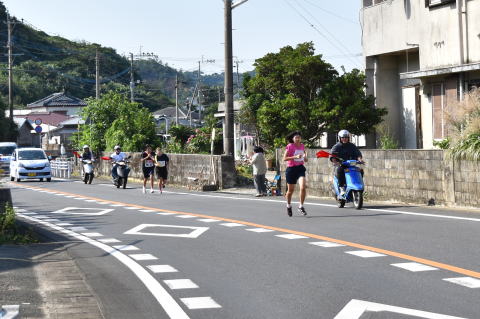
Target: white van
(30, 163)
(6, 151)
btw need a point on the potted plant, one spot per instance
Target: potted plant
(269, 158)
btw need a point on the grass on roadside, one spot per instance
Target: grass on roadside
(11, 232)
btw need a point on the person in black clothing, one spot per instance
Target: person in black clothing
(161, 167)
(344, 150)
(86, 155)
(148, 165)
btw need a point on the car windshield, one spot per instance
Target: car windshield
(31, 155)
(7, 150)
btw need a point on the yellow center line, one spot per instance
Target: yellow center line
(428, 262)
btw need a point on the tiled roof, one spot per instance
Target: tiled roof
(169, 112)
(58, 99)
(50, 118)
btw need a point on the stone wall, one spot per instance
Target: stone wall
(410, 176)
(190, 170)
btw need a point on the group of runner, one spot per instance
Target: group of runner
(154, 164)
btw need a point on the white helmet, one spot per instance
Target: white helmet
(117, 147)
(343, 133)
(85, 146)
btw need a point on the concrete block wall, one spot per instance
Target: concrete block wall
(410, 176)
(190, 170)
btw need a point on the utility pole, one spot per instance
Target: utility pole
(97, 75)
(176, 99)
(10, 66)
(199, 92)
(132, 83)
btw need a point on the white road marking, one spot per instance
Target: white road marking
(91, 200)
(194, 231)
(143, 257)
(116, 205)
(161, 268)
(414, 267)
(70, 196)
(103, 203)
(109, 240)
(364, 253)
(259, 230)
(166, 214)
(186, 216)
(147, 210)
(18, 211)
(208, 220)
(9, 311)
(79, 198)
(465, 281)
(83, 211)
(42, 216)
(200, 303)
(168, 303)
(327, 205)
(180, 284)
(64, 224)
(77, 229)
(58, 194)
(356, 308)
(291, 236)
(126, 247)
(131, 208)
(51, 220)
(232, 225)
(92, 234)
(325, 244)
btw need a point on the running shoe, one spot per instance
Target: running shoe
(289, 211)
(143, 190)
(302, 211)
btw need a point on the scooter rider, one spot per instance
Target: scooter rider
(344, 150)
(117, 157)
(87, 154)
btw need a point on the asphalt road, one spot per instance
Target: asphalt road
(213, 255)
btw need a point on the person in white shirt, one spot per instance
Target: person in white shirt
(259, 171)
(117, 157)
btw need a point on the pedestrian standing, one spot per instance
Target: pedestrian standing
(296, 157)
(161, 168)
(259, 170)
(148, 161)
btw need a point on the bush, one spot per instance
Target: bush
(10, 233)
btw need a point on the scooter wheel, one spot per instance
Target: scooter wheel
(358, 199)
(341, 203)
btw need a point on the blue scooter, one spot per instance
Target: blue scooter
(355, 187)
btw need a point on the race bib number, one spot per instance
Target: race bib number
(148, 163)
(161, 163)
(299, 152)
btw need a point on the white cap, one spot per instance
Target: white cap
(117, 147)
(86, 146)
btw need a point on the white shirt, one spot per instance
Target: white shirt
(118, 157)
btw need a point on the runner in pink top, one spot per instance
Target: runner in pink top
(296, 156)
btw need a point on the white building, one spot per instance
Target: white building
(421, 57)
(59, 103)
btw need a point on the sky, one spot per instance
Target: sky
(183, 32)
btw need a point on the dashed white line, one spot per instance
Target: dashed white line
(161, 268)
(143, 257)
(64, 224)
(109, 240)
(180, 284)
(208, 220)
(291, 236)
(77, 229)
(18, 211)
(126, 247)
(259, 230)
(92, 234)
(116, 205)
(103, 203)
(414, 267)
(232, 225)
(468, 282)
(186, 216)
(42, 216)
(325, 244)
(131, 208)
(166, 214)
(51, 220)
(364, 253)
(147, 210)
(200, 303)
(90, 200)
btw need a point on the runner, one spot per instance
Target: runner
(296, 157)
(161, 168)
(148, 158)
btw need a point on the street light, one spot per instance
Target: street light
(228, 138)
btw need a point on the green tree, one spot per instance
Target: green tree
(295, 89)
(113, 120)
(8, 128)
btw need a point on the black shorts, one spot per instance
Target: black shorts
(147, 172)
(161, 172)
(292, 174)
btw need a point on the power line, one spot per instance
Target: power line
(331, 13)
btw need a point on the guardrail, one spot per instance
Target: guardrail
(61, 168)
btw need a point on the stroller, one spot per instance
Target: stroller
(273, 187)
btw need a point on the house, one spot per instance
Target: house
(421, 56)
(58, 102)
(26, 134)
(168, 116)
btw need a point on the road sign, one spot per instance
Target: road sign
(38, 129)
(38, 122)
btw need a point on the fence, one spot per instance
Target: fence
(61, 168)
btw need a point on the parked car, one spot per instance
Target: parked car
(30, 163)
(6, 151)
